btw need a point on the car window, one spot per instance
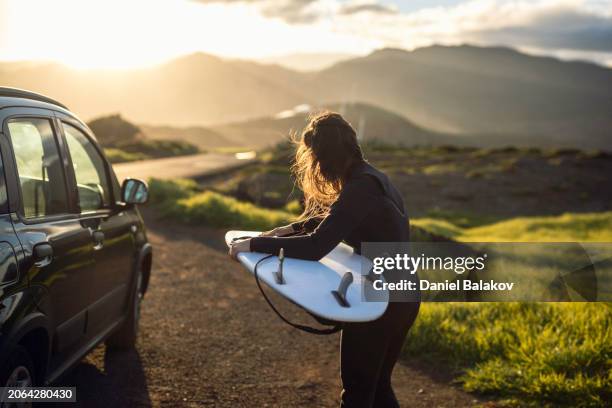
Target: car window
(41, 177)
(92, 183)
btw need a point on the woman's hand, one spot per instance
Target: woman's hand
(279, 231)
(244, 245)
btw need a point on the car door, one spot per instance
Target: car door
(56, 249)
(110, 225)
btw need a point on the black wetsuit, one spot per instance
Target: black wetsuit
(369, 209)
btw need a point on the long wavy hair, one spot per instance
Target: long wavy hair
(326, 152)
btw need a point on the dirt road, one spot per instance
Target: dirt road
(208, 339)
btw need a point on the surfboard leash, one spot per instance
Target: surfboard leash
(308, 329)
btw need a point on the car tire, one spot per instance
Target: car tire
(125, 337)
(18, 372)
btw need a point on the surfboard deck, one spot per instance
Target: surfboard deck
(309, 284)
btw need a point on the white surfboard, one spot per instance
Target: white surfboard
(309, 284)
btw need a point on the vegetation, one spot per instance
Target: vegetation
(119, 156)
(555, 354)
(591, 227)
(182, 200)
(465, 186)
(588, 227)
(124, 141)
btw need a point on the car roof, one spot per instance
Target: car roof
(15, 97)
(22, 93)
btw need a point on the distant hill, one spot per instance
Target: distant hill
(483, 90)
(123, 141)
(192, 90)
(372, 124)
(203, 137)
(113, 130)
(465, 89)
(307, 61)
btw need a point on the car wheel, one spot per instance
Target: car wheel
(125, 337)
(18, 372)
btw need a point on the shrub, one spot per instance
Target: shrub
(168, 191)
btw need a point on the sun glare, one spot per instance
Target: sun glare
(116, 34)
(109, 34)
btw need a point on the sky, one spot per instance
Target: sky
(140, 33)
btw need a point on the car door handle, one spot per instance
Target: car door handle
(98, 238)
(43, 254)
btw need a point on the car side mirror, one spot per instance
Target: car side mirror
(134, 191)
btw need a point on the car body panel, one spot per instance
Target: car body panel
(82, 295)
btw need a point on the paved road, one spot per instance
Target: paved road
(179, 167)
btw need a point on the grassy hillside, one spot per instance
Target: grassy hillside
(466, 185)
(124, 141)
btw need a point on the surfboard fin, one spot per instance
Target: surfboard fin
(278, 275)
(340, 294)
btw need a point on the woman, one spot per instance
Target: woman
(346, 199)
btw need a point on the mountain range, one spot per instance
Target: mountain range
(371, 123)
(502, 96)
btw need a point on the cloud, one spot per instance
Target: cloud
(355, 8)
(558, 29)
(310, 11)
(544, 25)
(580, 25)
(291, 11)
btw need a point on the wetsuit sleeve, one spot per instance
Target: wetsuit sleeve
(308, 225)
(351, 208)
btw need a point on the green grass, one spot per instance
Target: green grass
(155, 148)
(590, 227)
(148, 149)
(537, 354)
(461, 219)
(570, 227)
(182, 200)
(119, 156)
(555, 354)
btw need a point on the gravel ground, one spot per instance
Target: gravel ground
(208, 339)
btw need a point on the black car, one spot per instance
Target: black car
(74, 256)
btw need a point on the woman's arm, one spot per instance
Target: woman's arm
(279, 231)
(307, 225)
(353, 205)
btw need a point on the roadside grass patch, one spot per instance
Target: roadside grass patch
(182, 200)
(570, 227)
(531, 354)
(115, 155)
(540, 354)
